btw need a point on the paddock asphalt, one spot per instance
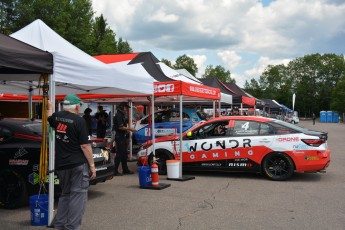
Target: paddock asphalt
(217, 200)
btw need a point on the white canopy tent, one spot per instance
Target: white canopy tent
(74, 72)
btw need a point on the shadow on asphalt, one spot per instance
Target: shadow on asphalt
(297, 177)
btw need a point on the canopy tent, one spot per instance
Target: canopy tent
(188, 75)
(286, 109)
(74, 70)
(216, 83)
(18, 59)
(246, 98)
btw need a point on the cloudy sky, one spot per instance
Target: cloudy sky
(243, 36)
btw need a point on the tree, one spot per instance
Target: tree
(71, 19)
(6, 16)
(167, 62)
(104, 37)
(218, 72)
(338, 96)
(253, 88)
(123, 47)
(185, 62)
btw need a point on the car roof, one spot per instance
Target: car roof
(20, 124)
(248, 118)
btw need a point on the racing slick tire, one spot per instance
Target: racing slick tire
(13, 191)
(293, 122)
(278, 166)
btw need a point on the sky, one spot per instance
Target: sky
(243, 36)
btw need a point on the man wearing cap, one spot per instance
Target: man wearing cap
(74, 162)
(121, 129)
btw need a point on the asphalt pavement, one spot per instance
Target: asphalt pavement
(217, 200)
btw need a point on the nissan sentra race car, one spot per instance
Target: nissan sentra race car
(244, 143)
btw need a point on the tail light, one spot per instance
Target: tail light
(314, 142)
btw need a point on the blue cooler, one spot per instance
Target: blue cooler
(144, 173)
(39, 209)
(323, 116)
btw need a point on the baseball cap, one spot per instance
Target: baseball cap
(72, 99)
(123, 105)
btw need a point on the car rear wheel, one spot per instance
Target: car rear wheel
(278, 166)
(13, 192)
(293, 122)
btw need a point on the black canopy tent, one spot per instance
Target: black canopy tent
(19, 58)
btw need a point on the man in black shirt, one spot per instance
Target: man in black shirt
(101, 117)
(121, 130)
(74, 162)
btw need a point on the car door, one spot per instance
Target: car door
(251, 141)
(204, 148)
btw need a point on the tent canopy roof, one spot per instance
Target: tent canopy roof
(20, 58)
(74, 70)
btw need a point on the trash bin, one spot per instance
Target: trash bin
(335, 117)
(323, 116)
(173, 169)
(329, 116)
(144, 173)
(39, 209)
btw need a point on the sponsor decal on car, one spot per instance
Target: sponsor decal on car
(312, 158)
(18, 162)
(33, 178)
(20, 152)
(288, 139)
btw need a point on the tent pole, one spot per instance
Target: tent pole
(130, 122)
(51, 155)
(153, 126)
(214, 108)
(181, 117)
(30, 103)
(219, 108)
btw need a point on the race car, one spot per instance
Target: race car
(20, 144)
(269, 146)
(167, 123)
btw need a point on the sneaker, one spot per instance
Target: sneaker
(118, 174)
(128, 172)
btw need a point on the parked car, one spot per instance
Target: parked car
(20, 143)
(167, 123)
(244, 143)
(293, 119)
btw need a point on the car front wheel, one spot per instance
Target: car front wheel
(278, 166)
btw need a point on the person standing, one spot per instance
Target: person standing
(121, 130)
(88, 120)
(314, 118)
(74, 164)
(101, 118)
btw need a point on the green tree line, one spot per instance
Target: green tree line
(318, 80)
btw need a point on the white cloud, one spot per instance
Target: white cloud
(230, 59)
(200, 61)
(260, 66)
(162, 16)
(278, 31)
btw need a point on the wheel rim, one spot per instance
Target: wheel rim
(278, 167)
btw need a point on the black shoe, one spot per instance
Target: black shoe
(128, 172)
(118, 174)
